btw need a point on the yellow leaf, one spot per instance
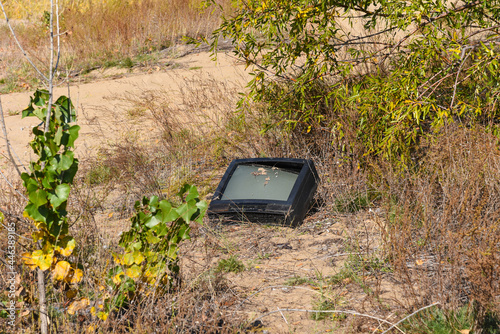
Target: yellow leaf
(66, 245)
(138, 257)
(92, 311)
(133, 272)
(102, 315)
(78, 305)
(42, 260)
(117, 278)
(117, 259)
(61, 270)
(1, 218)
(128, 259)
(28, 260)
(77, 276)
(110, 215)
(419, 262)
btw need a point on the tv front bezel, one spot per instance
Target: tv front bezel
(289, 212)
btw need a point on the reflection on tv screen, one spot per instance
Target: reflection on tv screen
(259, 182)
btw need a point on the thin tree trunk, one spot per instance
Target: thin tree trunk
(42, 303)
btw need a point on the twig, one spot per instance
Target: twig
(331, 311)
(4, 129)
(19, 44)
(282, 315)
(12, 186)
(458, 72)
(400, 321)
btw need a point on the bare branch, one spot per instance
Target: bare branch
(400, 321)
(7, 140)
(19, 44)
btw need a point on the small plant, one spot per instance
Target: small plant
(48, 186)
(230, 265)
(149, 261)
(440, 321)
(355, 202)
(326, 305)
(99, 174)
(297, 280)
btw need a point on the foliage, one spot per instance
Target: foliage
(149, 261)
(48, 186)
(441, 321)
(383, 73)
(230, 265)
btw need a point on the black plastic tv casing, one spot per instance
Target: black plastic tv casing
(273, 212)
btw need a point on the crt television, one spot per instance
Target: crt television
(274, 191)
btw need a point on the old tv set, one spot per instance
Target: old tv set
(274, 191)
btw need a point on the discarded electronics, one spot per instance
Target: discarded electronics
(274, 191)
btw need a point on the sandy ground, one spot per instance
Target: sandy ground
(102, 113)
(273, 256)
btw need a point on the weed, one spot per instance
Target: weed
(230, 265)
(326, 305)
(441, 321)
(99, 174)
(355, 202)
(297, 280)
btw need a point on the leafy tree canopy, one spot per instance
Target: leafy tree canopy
(393, 70)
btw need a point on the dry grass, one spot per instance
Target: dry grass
(122, 33)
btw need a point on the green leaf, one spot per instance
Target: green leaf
(172, 252)
(184, 232)
(60, 195)
(202, 206)
(151, 238)
(167, 214)
(161, 229)
(151, 221)
(73, 135)
(38, 197)
(187, 210)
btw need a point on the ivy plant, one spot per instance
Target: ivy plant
(48, 186)
(149, 258)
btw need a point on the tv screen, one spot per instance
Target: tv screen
(265, 190)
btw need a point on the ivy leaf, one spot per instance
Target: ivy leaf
(76, 276)
(172, 252)
(187, 210)
(161, 229)
(36, 213)
(73, 135)
(202, 206)
(78, 305)
(167, 214)
(60, 195)
(152, 239)
(38, 197)
(41, 259)
(66, 245)
(61, 270)
(192, 194)
(151, 221)
(133, 272)
(184, 232)
(128, 258)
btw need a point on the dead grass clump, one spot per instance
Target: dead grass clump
(442, 230)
